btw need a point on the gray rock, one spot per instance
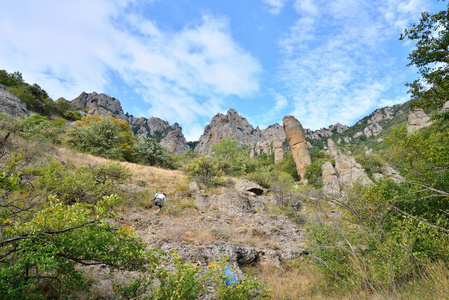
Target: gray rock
(417, 119)
(234, 203)
(100, 105)
(174, 141)
(201, 202)
(348, 170)
(194, 186)
(249, 186)
(10, 104)
(331, 186)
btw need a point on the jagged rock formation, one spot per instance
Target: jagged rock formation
(10, 104)
(325, 133)
(232, 126)
(331, 186)
(174, 141)
(100, 105)
(297, 140)
(417, 119)
(235, 127)
(347, 171)
(170, 137)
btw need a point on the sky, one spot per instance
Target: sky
(184, 61)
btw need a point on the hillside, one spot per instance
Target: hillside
(366, 218)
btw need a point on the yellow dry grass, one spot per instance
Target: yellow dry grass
(160, 179)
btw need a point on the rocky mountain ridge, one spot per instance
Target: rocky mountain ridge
(231, 125)
(169, 136)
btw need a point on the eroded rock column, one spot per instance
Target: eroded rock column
(297, 140)
(278, 150)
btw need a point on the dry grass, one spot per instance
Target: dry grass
(167, 181)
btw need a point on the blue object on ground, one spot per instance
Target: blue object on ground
(230, 277)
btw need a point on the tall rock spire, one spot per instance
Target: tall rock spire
(297, 140)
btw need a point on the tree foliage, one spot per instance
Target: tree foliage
(148, 152)
(391, 230)
(431, 58)
(109, 137)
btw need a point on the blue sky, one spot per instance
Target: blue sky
(323, 61)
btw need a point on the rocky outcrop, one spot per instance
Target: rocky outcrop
(169, 137)
(100, 105)
(325, 132)
(231, 126)
(297, 140)
(245, 185)
(10, 104)
(234, 203)
(174, 141)
(347, 171)
(273, 133)
(331, 185)
(388, 172)
(417, 119)
(235, 127)
(372, 130)
(278, 151)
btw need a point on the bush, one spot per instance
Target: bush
(148, 152)
(109, 138)
(204, 170)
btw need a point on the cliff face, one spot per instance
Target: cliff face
(169, 137)
(100, 105)
(232, 126)
(10, 104)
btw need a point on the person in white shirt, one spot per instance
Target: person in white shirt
(160, 200)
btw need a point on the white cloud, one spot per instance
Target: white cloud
(337, 67)
(276, 5)
(72, 46)
(306, 7)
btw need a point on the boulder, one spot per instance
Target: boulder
(234, 203)
(297, 140)
(194, 186)
(249, 186)
(100, 105)
(201, 202)
(11, 104)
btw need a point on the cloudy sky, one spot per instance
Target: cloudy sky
(323, 61)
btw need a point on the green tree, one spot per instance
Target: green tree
(233, 158)
(109, 137)
(148, 152)
(431, 59)
(204, 170)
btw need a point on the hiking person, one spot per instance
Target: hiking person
(160, 200)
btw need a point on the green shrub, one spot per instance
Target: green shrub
(314, 172)
(148, 152)
(204, 170)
